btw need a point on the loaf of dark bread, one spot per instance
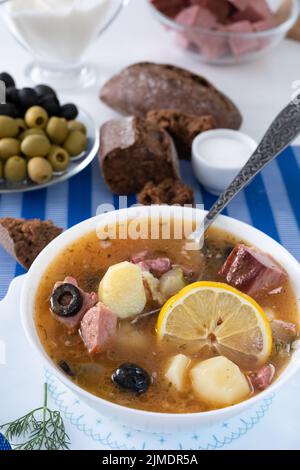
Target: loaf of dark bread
(169, 191)
(145, 86)
(182, 127)
(134, 151)
(25, 239)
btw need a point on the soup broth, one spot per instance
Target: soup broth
(87, 260)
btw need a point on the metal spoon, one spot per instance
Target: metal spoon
(283, 130)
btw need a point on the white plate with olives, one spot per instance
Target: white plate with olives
(38, 163)
(37, 157)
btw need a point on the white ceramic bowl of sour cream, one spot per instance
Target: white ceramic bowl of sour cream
(138, 419)
(218, 155)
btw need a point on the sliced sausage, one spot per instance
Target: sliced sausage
(140, 256)
(157, 266)
(98, 327)
(252, 271)
(261, 379)
(89, 300)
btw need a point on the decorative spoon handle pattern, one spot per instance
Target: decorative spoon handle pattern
(283, 130)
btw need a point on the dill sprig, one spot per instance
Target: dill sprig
(42, 429)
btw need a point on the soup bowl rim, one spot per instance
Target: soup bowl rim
(228, 224)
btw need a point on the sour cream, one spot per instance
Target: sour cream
(225, 151)
(218, 155)
(58, 31)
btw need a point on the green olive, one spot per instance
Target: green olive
(58, 158)
(76, 143)
(77, 126)
(35, 145)
(9, 147)
(21, 125)
(15, 169)
(39, 170)
(57, 130)
(31, 132)
(8, 127)
(1, 170)
(36, 117)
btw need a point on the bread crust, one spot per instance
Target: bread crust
(147, 86)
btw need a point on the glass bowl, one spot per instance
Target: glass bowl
(58, 34)
(220, 46)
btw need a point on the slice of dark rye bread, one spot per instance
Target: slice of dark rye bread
(148, 86)
(25, 239)
(169, 191)
(134, 151)
(182, 127)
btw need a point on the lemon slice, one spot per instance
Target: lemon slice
(219, 315)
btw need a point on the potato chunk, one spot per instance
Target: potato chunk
(122, 290)
(177, 370)
(172, 282)
(219, 382)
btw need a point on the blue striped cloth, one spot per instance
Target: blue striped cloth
(4, 444)
(271, 203)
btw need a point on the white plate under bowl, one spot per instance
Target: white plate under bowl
(139, 419)
(76, 165)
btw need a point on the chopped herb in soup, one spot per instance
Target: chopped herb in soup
(104, 315)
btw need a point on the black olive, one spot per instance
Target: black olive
(12, 95)
(8, 109)
(66, 300)
(131, 378)
(66, 368)
(19, 113)
(69, 111)
(43, 90)
(28, 98)
(7, 79)
(51, 104)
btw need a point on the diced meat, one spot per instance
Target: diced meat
(255, 10)
(98, 327)
(197, 16)
(261, 379)
(252, 271)
(138, 257)
(170, 8)
(219, 8)
(188, 16)
(89, 300)
(264, 25)
(238, 45)
(283, 332)
(240, 4)
(157, 266)
(214, 47)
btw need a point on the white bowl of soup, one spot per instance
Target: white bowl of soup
(86, 316)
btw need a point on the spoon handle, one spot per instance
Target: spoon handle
(283, 130)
